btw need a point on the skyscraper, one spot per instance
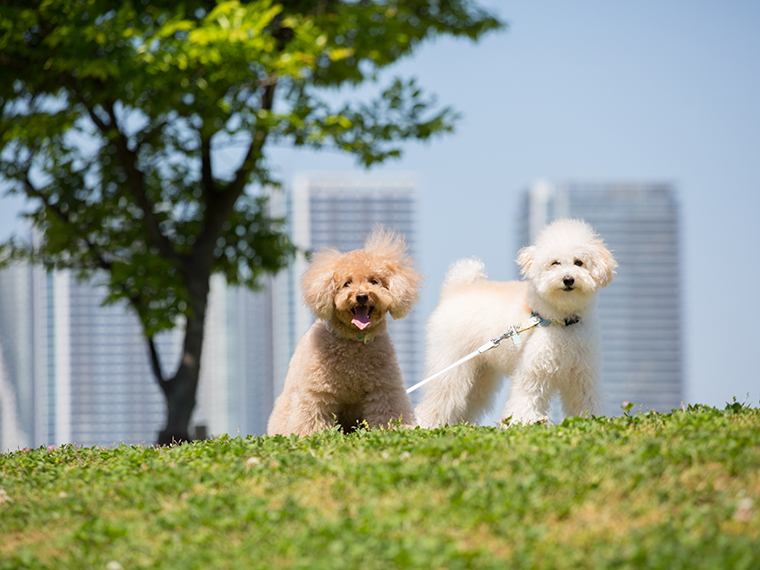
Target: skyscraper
(74, 371)
(339, 210)
(79, 371)
(640, 312)
(17, 417)
(30, 383)
(236, 391)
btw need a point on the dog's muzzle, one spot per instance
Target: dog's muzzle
(362, 311)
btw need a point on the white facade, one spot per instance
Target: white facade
(235, 391)
(640, 311)
(79, 371)
(17, 417)
(74, 371)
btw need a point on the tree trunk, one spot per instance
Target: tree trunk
(181, 389)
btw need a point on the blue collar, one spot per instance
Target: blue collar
(548, 322)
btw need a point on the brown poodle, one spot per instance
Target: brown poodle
(344, 369)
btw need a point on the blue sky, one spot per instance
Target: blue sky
(604, 91)
(599, 91)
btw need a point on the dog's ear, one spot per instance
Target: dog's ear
(404, 285)
(318, 283)
(603, 266)
(525, 259)
(403, 280)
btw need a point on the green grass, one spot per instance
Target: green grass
(680, 490)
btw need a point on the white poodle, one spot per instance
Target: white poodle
(564, 270)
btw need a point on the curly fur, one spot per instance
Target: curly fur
(564, 270)
(334, 375)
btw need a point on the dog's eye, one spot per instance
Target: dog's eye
(555, 263)
(579, 263)
(347, 283)
(373, 281)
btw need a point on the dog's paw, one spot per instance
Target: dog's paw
(508, 421)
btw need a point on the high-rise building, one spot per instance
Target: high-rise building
(74, 371)
(236, 391)
(640, 312)
(339, 210)
(18, 420)
(113, 395)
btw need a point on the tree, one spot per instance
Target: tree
(117, 115)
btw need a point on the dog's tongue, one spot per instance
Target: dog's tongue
(361, 317)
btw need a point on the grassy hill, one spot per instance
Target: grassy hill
(679, 490)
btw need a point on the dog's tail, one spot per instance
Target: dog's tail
(464, 272)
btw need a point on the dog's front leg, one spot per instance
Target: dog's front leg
(580, 394)
(529, 398)
(389, 406)
(312, 412)
(448, 399)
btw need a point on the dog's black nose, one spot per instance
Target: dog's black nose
(362, 298)
(568, 281)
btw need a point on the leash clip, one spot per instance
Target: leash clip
(515, 335)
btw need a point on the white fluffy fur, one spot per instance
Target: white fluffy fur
(564, 359)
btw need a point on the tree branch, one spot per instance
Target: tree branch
(207, 177)
(156, 366)
(32, 191)
(148, 135)
(100, 123)
(219, 205)
(135, 178)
